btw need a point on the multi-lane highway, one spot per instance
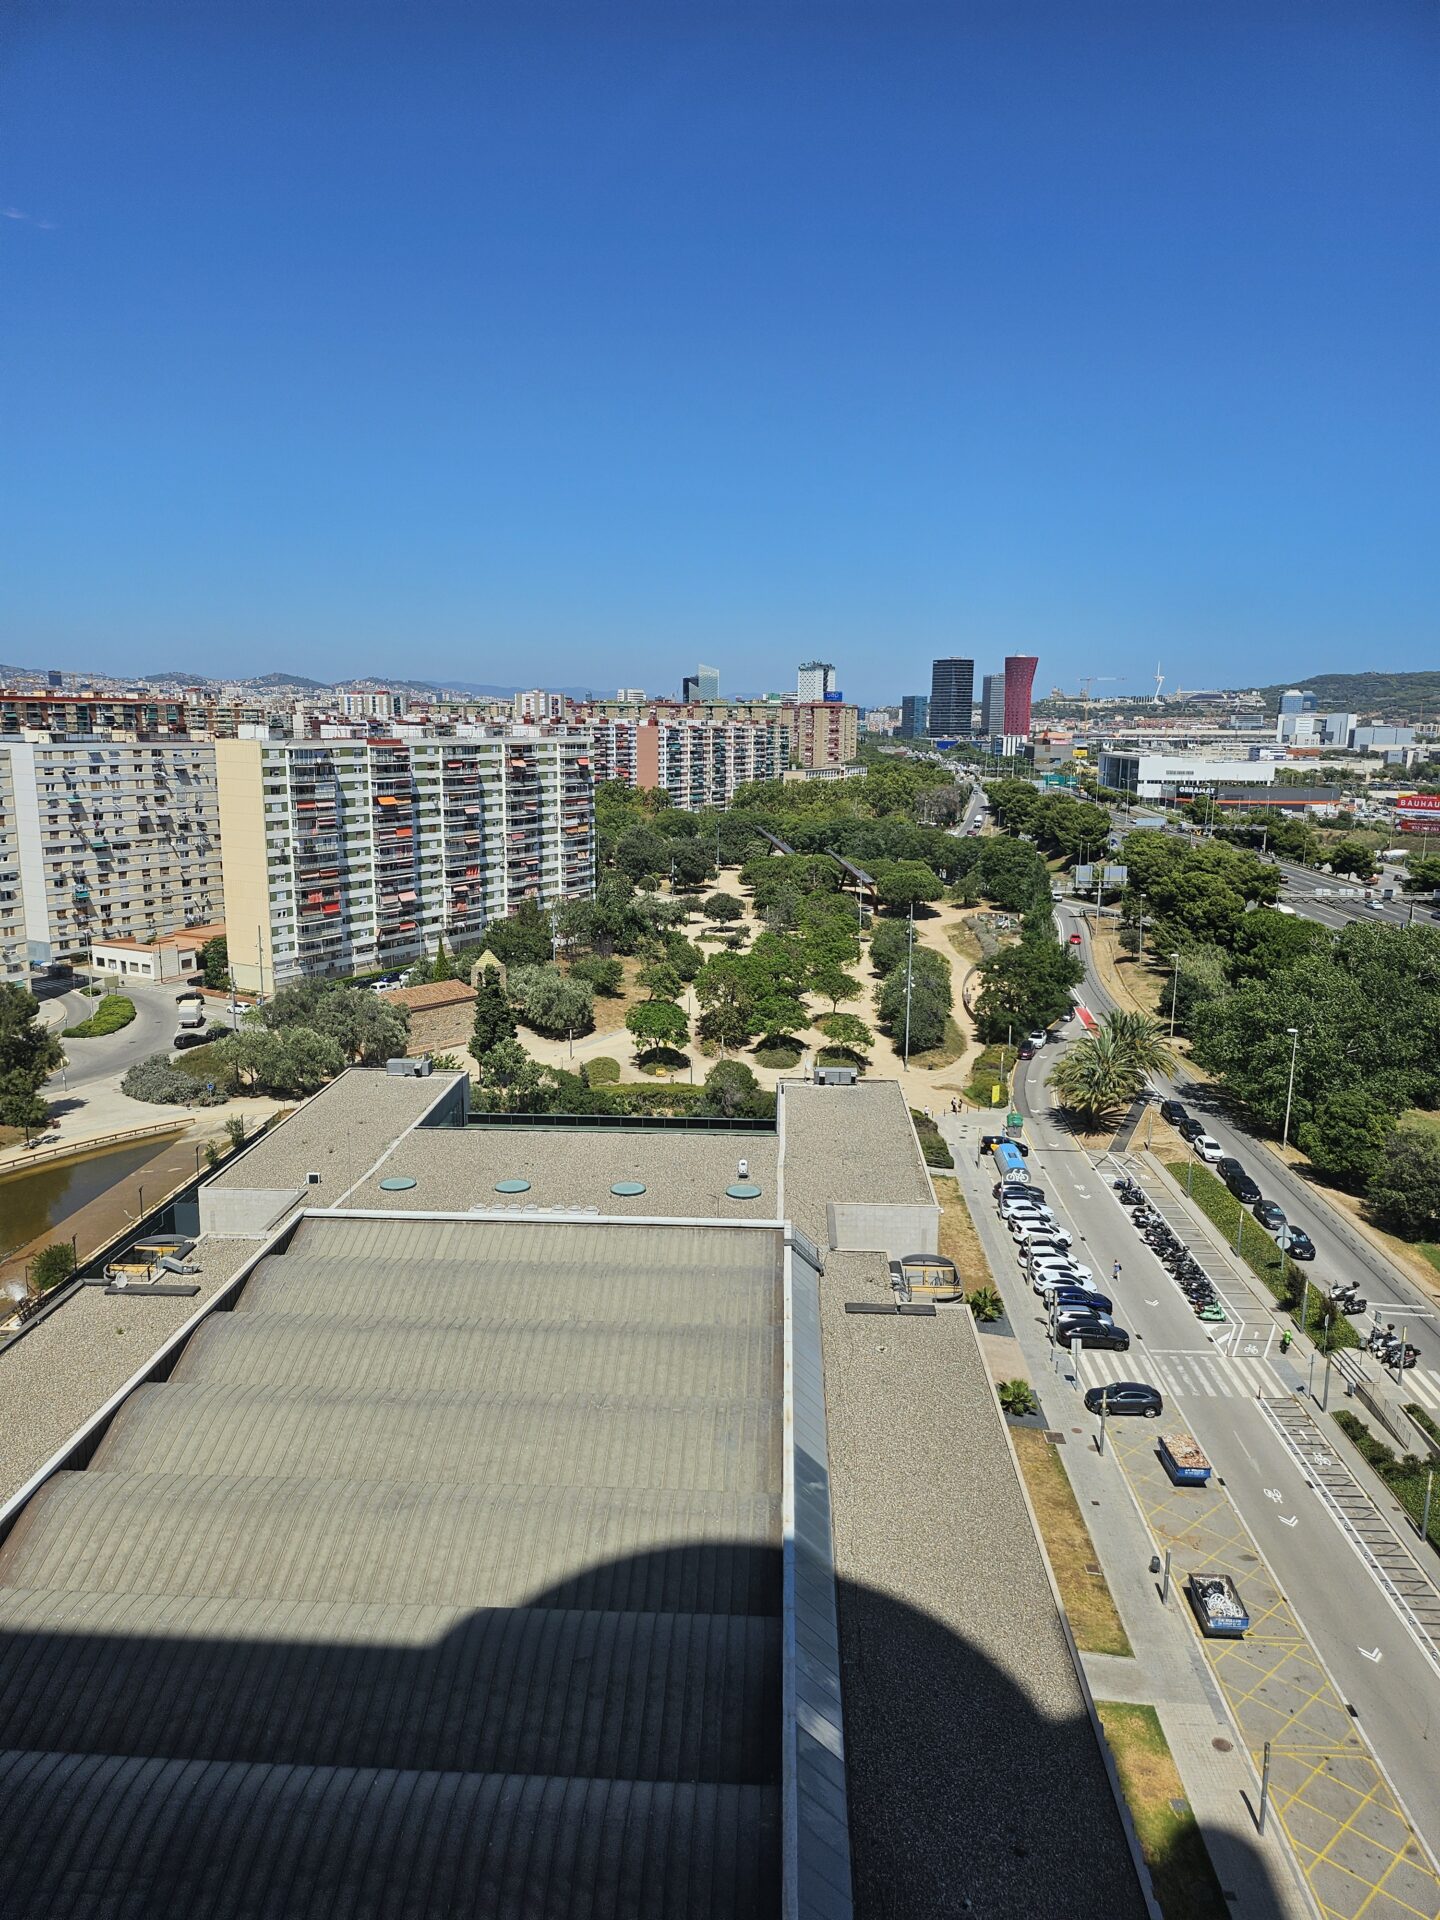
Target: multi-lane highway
(1216, 1381)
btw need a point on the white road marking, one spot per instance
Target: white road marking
(1375, 1656)
(1288, 1523)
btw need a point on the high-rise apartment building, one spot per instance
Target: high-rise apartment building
(345, 855)
(105, 838)
(371, 703)
(915, 715)
(815, 681)
(536, 706)
(827, 733)
(698, 763)
(952, 699)
(992, 705)
(14, 958)
(1019, 679)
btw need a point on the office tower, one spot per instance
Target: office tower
(342, 856)
(703, 684)
(1294, 701)
(915, 716)
(827, 733)
(1019, 679)
(992, 705)
(630, 696)
(952, 699)
(698, 763)
(815, 681)
(105, 839)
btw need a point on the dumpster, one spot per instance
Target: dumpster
(1182, 1459)
(1218, 1606)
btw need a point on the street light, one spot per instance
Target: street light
(1294, 1033)
(1174, 989)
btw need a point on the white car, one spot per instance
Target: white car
(1060, 1264)
(1039, 1036)
(1040, 1227)
(1208, 1148)
(1053, 1277)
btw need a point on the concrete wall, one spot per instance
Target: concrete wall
(246, 1213)
(859, 1226)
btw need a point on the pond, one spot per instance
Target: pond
(34, 1202)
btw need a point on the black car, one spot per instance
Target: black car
(1093, 1333)
(1271, 1217)
(1126, 1396)
(1300, 1246)
(1189, 1128)
(1172, 1113)
(1243, 1188)
(1228, 1167)
(1017, 1188)
(989, 1140)
(1060, 1297)
(1027, 1052)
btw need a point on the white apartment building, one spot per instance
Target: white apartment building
(699, 763)
(535, 704)
(371, 703)
(815, 680)
(346, 856)
(108, 838)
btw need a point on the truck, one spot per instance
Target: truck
(1182, 1459)
(190, 1014)
(1218, 1606)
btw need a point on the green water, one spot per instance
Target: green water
(38, 1201)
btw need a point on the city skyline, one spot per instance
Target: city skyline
(726, 341)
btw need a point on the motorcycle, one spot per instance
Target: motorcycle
(1349, 1300)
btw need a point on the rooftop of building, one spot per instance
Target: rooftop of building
(433, 993)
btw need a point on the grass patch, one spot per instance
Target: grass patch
(1185, 1882)
(1429, 1250)
(1281, 1275)
(1422, 1420)
(1093, 1617)
(950, 1049)
(662, 1060)
(958, 1239)
(203, 1063)
(965, 942)
(842, 1057)
(783, 1057)
(1404, 1475)
(932, 1143)
(114, 1012)
(988, 1073)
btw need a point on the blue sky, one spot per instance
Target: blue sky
(574, 344)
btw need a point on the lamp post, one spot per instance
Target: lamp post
(1294, 1033)
(1174, 988)
(909, 977)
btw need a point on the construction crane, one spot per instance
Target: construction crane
(1094, 679)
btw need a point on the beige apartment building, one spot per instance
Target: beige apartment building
(104, 838)
(350, 856)
(827, 733)
(699, 763)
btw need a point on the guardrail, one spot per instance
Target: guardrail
(68, 1149)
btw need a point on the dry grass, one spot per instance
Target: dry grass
(952, 1048)
(1185, 1882)
(965, 942)
(1092, 1613)
(610, 1014)
(958, 1239)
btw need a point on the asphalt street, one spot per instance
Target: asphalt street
(92, 1062)
(1213, 1378)
(1342, 1252)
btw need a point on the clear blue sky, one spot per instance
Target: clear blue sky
(520, 342)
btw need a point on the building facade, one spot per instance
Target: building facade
(111, 838)
(952, 699)
(1018, 679)
(348, 856)
(697, 763)
(14, 957)
(915, 716)
(992, 706)
(1161, 776)
(815, 681)
(827, 733)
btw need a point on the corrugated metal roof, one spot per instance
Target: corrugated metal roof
(442, 1577)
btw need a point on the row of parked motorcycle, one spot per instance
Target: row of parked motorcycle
(1170, 1250)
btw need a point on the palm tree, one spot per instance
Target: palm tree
(1097, 1078)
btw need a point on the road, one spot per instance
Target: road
(91, 1063)
(1342, 1252)
(1216, 1393)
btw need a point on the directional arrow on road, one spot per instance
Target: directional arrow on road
(1152, 1303)
(1376, 1655)
(1288, 1523)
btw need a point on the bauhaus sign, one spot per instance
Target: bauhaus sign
(1417, 812)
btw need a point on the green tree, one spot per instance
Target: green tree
(508, 1080)
(215, 963)
(643, 854)
(1345, 1136)
(51, 1265)
(903, 884)
(552, 1001)
(1025, 985)
(657, 1023)
(830, 979)
(523, 938)
(442, 968)
(726, 993)
(929, 1001)
(1404, 1190)
(1200, 978)
(603, 974)
(691, 864)
(494, 1021)
(1352, 857)
(1098, 1077)
(730, 1089)
(846, 1030)
(29, 1054)
(660, 980)
(723, 907)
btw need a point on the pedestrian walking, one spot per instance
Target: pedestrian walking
(1115, 1271)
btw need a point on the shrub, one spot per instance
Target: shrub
(932, 1146)
(235, 1130)
(156, 1080)
(1017, 1398)
(723, 906)
(551, 1001)
(52, 1265)
(602, 1071)
(731, 1088)
(780, 1056)
(114, 1012)
(986, 1304)
(602, 974)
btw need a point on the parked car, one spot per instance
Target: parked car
(1243, 1188)
(1040, 1230)
(1018, 1186)
(1300, 1246)
(1063, 1317)
(188, 1037)
(1039, 1037)
(1046, 1279)
(1126, 1396)
(1271, 1217)
(1189, 1128)
(1208, 1148)
(1094, 1333)
(1227, 1167)
(1172, 1113)
(1058, 1299)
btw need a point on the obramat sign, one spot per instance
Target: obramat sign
(1417, 812)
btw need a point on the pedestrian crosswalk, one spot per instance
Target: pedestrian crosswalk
(1419, 1383)
(1181, 1376)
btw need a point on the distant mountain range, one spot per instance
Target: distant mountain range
(1399, 697)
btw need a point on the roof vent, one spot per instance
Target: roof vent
(409, 1069)
(312, 1179)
